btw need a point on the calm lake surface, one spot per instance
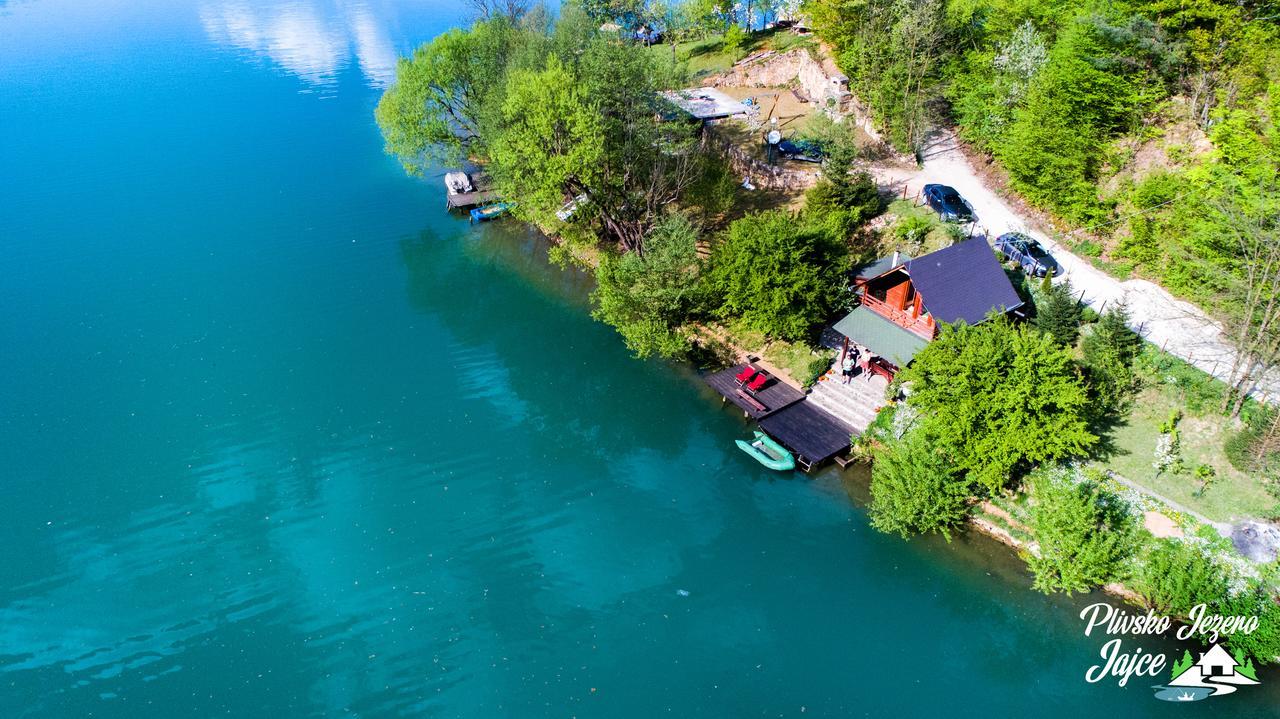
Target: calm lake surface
(279, 437)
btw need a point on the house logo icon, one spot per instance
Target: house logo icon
(1215, 674)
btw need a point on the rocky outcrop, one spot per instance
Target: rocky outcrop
(1257, 541)
(811, 72)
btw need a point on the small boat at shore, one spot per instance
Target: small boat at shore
(768, 452)
(489, 212)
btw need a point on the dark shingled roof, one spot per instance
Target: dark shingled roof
(880, 266)
(962, 282)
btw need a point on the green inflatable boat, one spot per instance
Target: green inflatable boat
(768, 452)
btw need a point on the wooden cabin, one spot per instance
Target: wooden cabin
(903, 301)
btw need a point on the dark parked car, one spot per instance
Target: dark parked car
(800, 150)
(1028, 253)
(948, 203)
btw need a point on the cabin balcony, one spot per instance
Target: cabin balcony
(908, 319)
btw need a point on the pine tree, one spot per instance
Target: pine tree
(1058, 314)
(1046, 285)
(1109, 352)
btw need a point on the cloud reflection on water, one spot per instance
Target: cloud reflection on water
(313, 39)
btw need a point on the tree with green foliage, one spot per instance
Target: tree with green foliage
(915, 490)
(998, 397)
(1110, 349)
(442, 97)
(647, 297)
(779, 275)
(1084, 532)
(893, 52)
(552, 141)
(1058, 314)
(629, 12)
(510, 9)
(842, 203)
(704, 18)
(1053, 147)
(554, 113)
(653, 154)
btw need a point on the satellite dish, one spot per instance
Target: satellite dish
(774, 137)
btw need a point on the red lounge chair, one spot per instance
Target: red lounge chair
(757, 383)
(744, 375)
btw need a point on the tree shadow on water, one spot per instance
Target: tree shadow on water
(572, 373)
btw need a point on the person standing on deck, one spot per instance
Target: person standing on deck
(866, 366)
(847, 365)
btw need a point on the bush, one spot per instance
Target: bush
(1088, 248)
(1250, 449)
(840, 205)
(1264, 642)
(805, 365)
(910, 231)
(999, 397)
(1174, 576)
(780, 276)
(733, 39)
(1198, 391)
(914, 490)
(1085, 532)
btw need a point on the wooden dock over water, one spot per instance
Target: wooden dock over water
(811, 433)
(463, 200)
(773, 397)
(482, 192)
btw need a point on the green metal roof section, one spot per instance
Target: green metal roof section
(880, 336)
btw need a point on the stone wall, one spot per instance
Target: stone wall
(763, 175)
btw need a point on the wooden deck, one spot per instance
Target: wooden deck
(482, 191)
(814, 435)
(463, 200)
(774, 397)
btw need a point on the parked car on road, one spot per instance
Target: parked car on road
(1028, 253)
(948, 203)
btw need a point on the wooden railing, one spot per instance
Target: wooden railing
(921, 325)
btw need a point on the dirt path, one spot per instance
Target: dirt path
(1179, 327)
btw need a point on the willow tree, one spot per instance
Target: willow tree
(593, 126)
(1085, 532)
(551, 141)
(442, 97)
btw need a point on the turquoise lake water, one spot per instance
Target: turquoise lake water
(279, 437)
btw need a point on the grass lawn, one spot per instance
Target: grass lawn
(802, 363)
(1234, 494)
(917, 230)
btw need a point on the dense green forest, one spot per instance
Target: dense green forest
(1150, 124)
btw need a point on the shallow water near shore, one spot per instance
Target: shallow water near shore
(279, 437)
